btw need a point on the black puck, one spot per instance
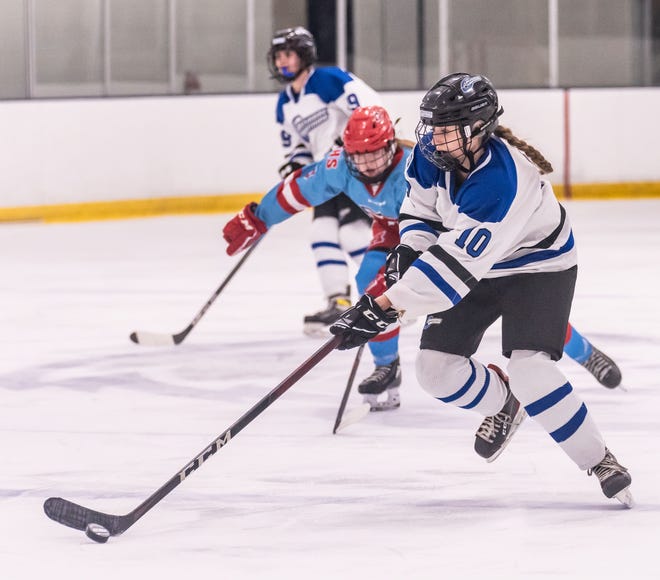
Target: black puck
(97, 533)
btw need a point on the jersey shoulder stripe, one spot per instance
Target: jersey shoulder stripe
(489, 191)
(423, 171)
(282, 100)
(328, 83)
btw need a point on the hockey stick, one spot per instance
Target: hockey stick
(347, 391)
(157, 339)
(354, 415)
(76, 516)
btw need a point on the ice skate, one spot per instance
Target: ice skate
(602, 367)
(614, 479)
(317, 324)
(495, 432)
(384, 380)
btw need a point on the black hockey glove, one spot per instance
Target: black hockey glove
(362, 322)
(398, 261)
(288, 168)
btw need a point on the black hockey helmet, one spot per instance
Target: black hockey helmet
(467, 101)
(298, 39)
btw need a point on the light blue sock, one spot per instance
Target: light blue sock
(386, 351)
(578, 347)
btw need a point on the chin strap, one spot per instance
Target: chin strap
(468, 134)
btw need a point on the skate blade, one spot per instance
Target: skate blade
(384, 406)
(625, 497)
(316, 330)
(514, 427)
(393, 401)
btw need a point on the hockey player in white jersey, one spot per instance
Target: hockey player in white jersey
(483, 237)
(312, 111)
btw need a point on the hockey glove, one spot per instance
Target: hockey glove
(288, 168)
(362, 322)
(243, 230)
(398, 261)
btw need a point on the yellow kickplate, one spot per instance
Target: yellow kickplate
(127, 208)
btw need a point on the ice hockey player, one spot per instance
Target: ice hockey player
(369, 169)
(482, 237)
(312, 111)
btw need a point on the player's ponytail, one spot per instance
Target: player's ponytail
(533, 154)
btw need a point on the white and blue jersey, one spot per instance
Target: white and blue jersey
(503, 220)
(312, 121)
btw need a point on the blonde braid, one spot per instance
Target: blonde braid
(534, 155)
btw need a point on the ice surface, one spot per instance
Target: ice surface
(87, 415)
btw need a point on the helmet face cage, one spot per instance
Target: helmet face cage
(369, 144)
(377, 163)
(297, 39)
(444, 159)
(468, 102)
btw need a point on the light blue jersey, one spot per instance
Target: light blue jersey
(323, 180)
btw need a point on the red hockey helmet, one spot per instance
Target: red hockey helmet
(368, 129)
(369, 143)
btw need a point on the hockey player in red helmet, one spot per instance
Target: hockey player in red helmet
(369, 170)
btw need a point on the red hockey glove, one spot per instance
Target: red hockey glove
(243, 230)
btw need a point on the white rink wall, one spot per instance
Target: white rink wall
(82, 150)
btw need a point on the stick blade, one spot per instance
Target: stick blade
(353, 416)
(75, 516)
(152, 338)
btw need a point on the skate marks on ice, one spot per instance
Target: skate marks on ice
(208, 371)
(398, 495)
